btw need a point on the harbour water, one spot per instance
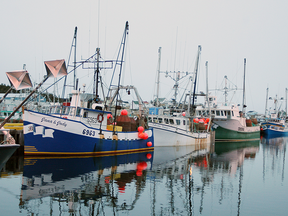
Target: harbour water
(225, 179)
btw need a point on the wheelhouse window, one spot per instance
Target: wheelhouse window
(166, 121)
(184, 122)
(217, 113)
(171, 121)
(177, 121)
(160, 120)
(78, 111)
(57, 110)
(85, 115)
(155, 120)
(149, 119)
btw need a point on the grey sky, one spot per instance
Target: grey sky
(34, 31)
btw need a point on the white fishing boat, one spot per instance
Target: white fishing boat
(176, 126)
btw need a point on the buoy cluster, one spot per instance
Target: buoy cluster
(201, 120)
(143, 135)
(201, 123)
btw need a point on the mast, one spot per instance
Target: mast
(75, 42)
(266, 101)
(73, 45)
(243, 104)
(158, 76)
(195, 80)
(122, 57)
(207, 95)
(285, 104)
(225, 90)
(190, 92)
(96, 76)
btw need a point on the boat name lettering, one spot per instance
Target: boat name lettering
(61, 123)
(51, 190)
(92, 120)
(57, 123)
(46, 120)
(240, 129)
(88, 132)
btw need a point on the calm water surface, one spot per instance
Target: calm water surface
(226, 179)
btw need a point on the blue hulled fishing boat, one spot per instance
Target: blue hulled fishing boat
(86, 127)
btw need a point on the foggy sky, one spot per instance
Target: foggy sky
(228, 31)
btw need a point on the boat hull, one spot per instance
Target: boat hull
(6, 151)
(231, 130)
(273, 130)
(165, 135)
(52, 135)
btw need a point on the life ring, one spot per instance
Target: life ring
(100, 116)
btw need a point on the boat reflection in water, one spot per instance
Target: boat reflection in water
(73, 180)
(232, 154)
(106, 184)
(186, 180)
(274, 141)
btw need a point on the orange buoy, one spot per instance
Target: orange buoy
(124, 112)
(142, 165)
(196, 120)
(141, 135)
(139, 173)
(145, 136)
(140, 129)
(149, 144)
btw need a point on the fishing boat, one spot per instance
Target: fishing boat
(82, 127)
(275, 123)
(175, 125)
(229, 123)
(175, 129)
(7, 147)
(274, 127)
